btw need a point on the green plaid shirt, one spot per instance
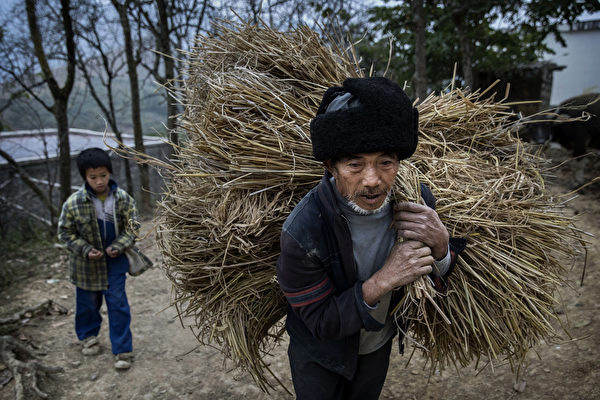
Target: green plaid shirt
(78, 229)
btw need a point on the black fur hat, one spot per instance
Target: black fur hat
(376, 116)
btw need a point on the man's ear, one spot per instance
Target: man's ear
(330, 166)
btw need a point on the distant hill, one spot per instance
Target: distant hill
(84, 113)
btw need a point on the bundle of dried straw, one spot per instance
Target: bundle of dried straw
(248, 97)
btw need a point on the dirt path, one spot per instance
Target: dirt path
(167, 363)
(169, 366)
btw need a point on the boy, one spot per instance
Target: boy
(97, 223)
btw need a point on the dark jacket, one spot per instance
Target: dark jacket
(317, 274)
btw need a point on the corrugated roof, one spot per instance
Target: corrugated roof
(41, 144)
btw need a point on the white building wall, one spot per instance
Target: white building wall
(581, 58)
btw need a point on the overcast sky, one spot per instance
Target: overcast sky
(588, 17)
(5, 6)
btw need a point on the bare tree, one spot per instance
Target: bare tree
(102, 63)
(254, 8)
(133, 61)
(420, 77)
(163, 41)
(459, 10)
(173, 24)
(29, 66)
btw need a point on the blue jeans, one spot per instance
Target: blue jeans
(88, 318)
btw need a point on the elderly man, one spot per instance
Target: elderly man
(340, 264)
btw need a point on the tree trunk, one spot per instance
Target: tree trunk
(459, 12)
(64, 162)
(467, 57)
(114, 127)
(420, 77)
(128, 178)
(144, 195)
(59, 94)
(165, 48)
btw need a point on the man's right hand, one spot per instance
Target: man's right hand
(407, 261)
(95, 254)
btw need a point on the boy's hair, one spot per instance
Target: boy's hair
(93, 158)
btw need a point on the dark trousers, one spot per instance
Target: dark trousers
(314, 382)
(88, 318)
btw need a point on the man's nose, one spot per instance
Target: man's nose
(371, 177)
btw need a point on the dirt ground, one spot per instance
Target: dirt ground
(169, 364)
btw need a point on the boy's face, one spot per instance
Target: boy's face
(98, 179)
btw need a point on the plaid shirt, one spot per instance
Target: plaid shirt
(78, 229)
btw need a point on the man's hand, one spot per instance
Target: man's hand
(94, 254)
(112, 253)
(407, 261)
(421, 223)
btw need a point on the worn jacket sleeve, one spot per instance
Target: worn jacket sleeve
(455, 246)
(128, 222)
(68, 234)
(327, 313)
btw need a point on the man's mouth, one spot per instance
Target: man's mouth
(371, 196)
(369, 202)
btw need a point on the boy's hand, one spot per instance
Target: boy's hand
(112, 253)
(94, 254)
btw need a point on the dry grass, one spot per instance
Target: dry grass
(248, 97)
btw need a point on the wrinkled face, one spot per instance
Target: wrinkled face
(365, 179)
(98, 179)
